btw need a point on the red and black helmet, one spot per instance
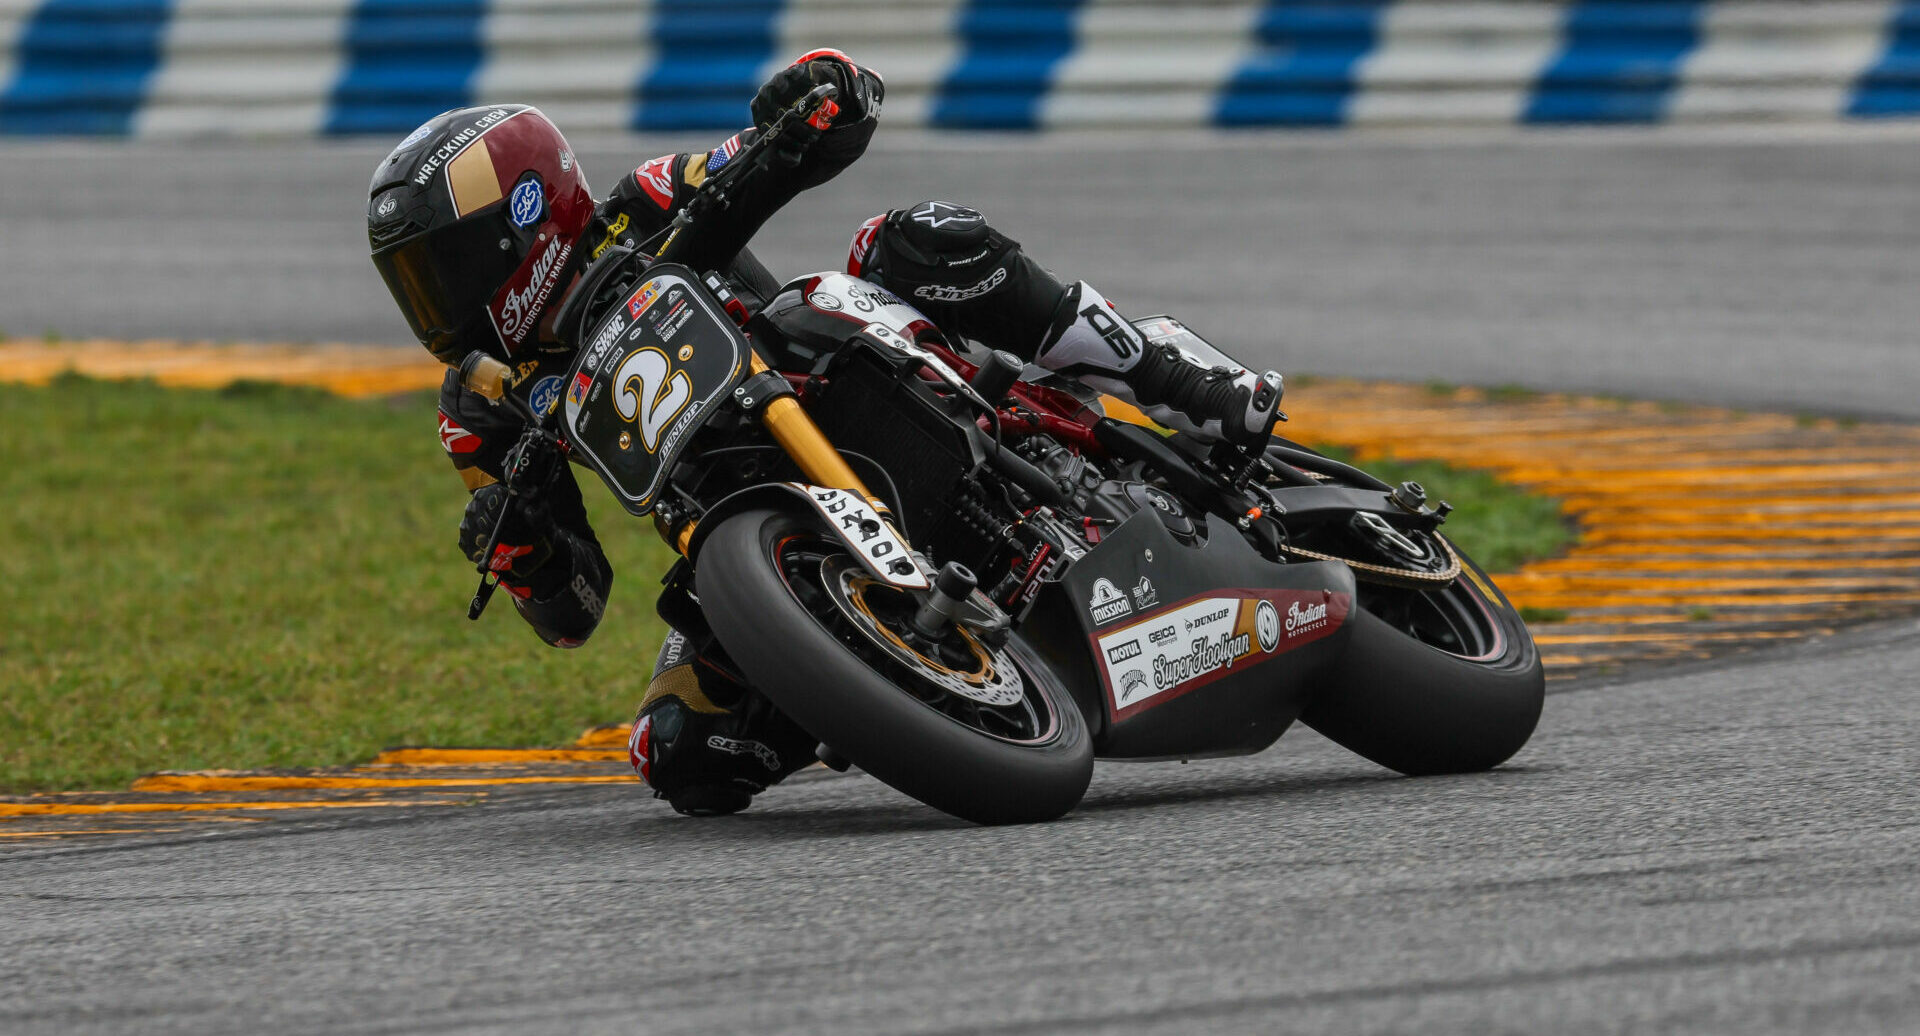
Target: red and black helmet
(475, 223)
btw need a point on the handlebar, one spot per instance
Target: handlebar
(490, 379)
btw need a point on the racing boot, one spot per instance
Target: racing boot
(1177, 378)
(707, 744)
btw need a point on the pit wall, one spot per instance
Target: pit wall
(304, 68)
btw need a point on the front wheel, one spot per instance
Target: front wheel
(984, 733)
(1443, 680)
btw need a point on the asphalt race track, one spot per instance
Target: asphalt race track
(1728, 848)
(1712, 851)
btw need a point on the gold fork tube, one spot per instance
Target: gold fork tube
(793, 428)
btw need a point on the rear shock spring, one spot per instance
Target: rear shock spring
(973, 512)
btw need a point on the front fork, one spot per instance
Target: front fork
(797, 434)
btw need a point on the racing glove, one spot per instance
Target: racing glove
(526, 534)
(859, 92)
(527, 527)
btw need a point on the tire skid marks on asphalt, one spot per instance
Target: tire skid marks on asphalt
(1702, 530)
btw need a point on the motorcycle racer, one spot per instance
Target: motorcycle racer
(480, 223)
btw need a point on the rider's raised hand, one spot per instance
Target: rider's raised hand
(858, 90)
(839, 133)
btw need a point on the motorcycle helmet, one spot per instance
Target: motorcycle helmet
(475, 221)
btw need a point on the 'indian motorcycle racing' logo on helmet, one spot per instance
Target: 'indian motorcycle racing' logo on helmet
(519, 304)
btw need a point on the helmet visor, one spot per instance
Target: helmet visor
(443, 278)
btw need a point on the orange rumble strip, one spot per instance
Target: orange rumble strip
(178, 782)
(482, 756)
(613, 735)
(350, 370)
(58, 809)
(1700, 530)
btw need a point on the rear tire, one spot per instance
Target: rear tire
(818, 680)
(1414, 707)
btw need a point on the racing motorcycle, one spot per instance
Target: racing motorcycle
(961, 575)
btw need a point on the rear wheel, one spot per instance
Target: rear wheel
(1434, 680)
(1441, 675)
(982, 732)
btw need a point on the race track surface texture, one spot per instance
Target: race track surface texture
(1726, 848)
(1706, 851)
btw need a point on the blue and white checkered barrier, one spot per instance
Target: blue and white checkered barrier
(284, 68)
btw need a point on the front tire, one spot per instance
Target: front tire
(1434, 681)
(751, 590)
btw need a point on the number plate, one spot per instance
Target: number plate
(654, 370)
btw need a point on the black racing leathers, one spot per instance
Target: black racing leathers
(563, 600)
(969, 278)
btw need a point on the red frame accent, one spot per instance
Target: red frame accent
(1046, 411)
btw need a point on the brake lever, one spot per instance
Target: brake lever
(489, 580)
(488, 378)
(521, 473)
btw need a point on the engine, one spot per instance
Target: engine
(1106, 500)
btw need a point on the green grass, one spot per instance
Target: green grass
(266, 576)
(1511, 392)
(1498, 525)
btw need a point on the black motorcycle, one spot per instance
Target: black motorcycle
(962, 577)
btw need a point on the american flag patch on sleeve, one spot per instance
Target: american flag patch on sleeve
(718, 158)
